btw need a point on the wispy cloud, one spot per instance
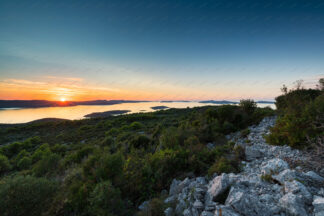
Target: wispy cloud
(75, 79)
(22, 82)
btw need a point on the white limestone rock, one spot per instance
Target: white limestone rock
(293, 205)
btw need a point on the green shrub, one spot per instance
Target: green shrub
(85, 128)
(11, 149)
(4, 164)
(22, 154)
(225, 113)
(136, 126)
(110, 167)
(228, 127)
(41, 152)
(59, 149)
(296, 127)
(239, 152)
(112, 132)
(155, 207)
(249, 106)
(191, 141)
(25, 196)
(267, 178)
(24, 163)
(48, 164)
(108, 141)
(245, 132)
(223, 165)
(140, 141)
(296, 100)
(105, 200)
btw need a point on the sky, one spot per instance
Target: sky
(158, 49)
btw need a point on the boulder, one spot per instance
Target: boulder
(174, 187)
(286, 175)
(274, 166)
(207, 213)
(144, 205)
(317, 179)
(297, 188)
(318, 204)
(186, 212)
(293, 205)
(168, 212)
(170, 199)
(198, 205)
(217, 187)
(252, 153)
(177, 186)
(246, 201)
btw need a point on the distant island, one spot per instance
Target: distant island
(106, 114)
(183, 101)
(266, 102)
(233, 102)
(46, 103)
(159, 107)
(218, 102)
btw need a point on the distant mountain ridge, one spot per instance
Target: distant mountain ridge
(46, 103)
(233, 102)
(218, 102)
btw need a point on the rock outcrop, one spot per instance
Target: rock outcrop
(267, 186)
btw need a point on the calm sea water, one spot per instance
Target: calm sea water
(78, 112)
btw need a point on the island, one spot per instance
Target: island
(106, 113)
(159, 107)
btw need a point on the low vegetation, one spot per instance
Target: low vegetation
(300, 121)
(108, 166)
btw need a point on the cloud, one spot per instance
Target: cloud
(22, 82)
(75, 79)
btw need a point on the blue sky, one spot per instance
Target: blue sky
(176, 49)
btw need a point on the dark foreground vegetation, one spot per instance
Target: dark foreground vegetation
(300, 122)
(108, 166)
(301, 117)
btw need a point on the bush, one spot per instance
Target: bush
(110, 167)
(4, 164)
(112, 132)
(25, 196)
(223, 165)
(296, 100)
(298, 126)
(245, 132)
(136, 126)
(24, 163)
(140, 141)
(154, 208)
(59, 149)
(108, 141)
(249, 106)
(41, 152)
(105, 200)
(48, 164)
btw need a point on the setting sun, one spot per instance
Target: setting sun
(62, 99)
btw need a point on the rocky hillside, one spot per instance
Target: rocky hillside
(268, 185)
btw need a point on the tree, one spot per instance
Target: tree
(105, 200)
(299, 84)
(284, 89)
(24, 163)
(25, 195)
(4, 164)
(248, 105)
(320, 84)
